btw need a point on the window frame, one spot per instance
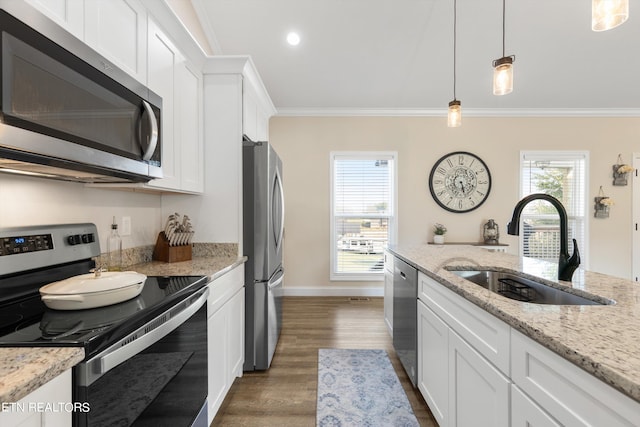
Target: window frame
(392, 156)
(560, 155)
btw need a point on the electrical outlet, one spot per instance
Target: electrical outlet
(126, 226)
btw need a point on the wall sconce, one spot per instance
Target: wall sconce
(602, 205)
(620, 171)
(608, 14)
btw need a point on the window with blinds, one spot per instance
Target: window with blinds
(562, 175)
(363, 213)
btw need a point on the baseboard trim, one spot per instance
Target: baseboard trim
(333, 292)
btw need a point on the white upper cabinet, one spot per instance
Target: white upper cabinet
(117, 29)
(163, 60)
(180, 87)
(69, 14)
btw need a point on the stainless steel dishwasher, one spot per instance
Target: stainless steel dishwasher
(405, 316)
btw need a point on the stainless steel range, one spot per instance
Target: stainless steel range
(145, 358)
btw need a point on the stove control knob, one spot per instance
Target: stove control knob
(74, 239)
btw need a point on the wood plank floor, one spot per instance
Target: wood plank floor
(285, 395)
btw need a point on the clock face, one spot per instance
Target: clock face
(460, 182)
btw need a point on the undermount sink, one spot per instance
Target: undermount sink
(523, 289)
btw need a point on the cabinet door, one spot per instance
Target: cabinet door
(525, 412)
(433, 363)
(388, 300)
(236, 336)
(66, 13)
(52, 393)
(217, 358)
(478, 392)
(118, 30)
(189, 127)
(249, 112)
(163, 57)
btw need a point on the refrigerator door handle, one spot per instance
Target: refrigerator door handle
(278, 181)
(277, 282)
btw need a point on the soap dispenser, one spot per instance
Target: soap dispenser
(114, 249)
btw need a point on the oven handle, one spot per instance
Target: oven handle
(114, 355)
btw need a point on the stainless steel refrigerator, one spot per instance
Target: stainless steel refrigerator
(263, 237)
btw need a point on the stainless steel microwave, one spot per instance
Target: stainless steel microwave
(66, 112)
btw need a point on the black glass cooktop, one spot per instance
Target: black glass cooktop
(28, 322)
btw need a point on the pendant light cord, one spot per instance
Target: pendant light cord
(503, 26)
(455, 20)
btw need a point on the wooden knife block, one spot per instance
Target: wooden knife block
(166, 253)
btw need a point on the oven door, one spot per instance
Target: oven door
(156, 376)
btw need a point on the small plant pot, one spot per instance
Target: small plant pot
(438, 239)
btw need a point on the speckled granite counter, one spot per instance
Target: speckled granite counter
(604, 340)
(24, 369)
(211, 266)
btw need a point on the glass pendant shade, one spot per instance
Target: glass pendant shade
(608, 14)
(454, 117)
(503, 76)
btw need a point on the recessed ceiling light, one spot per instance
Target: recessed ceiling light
(293, 38)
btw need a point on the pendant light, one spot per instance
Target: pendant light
(454, 116)
(608, 14)
(503, 67)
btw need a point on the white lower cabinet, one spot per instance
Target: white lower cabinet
(388, 291)
(475, 370)
(526, 413)
(41, 408)
(478, 392)
(433, 363)
(569, 394)
(461, 387)
(225, 311)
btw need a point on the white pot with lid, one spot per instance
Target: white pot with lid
(92, 290)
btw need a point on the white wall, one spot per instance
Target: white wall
(35, 201)
(304, 144)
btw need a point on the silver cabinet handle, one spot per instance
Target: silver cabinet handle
(153, 137)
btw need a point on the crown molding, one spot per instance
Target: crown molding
(469, 112)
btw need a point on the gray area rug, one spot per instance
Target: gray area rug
(360, 388)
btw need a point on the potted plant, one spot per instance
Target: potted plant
(439, 231)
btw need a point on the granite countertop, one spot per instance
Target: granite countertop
(604, 340)
(24, 369)
(210, 266)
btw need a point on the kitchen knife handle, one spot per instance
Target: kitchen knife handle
(153, 135)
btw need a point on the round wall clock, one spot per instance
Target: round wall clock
(460, 181)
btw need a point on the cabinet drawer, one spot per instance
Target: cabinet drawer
(223, 288)
(489, 335)
(570, 395)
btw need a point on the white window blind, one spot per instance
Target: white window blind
(562, 175)
(363, 213)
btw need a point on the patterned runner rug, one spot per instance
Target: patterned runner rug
(360, 388)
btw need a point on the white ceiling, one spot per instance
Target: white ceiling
(396, 56)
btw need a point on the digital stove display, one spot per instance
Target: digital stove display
(23, 244)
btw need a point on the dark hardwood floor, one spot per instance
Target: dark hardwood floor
(285, 395)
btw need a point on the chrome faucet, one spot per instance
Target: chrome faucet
(566, 265)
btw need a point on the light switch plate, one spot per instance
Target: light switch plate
(126, 226)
